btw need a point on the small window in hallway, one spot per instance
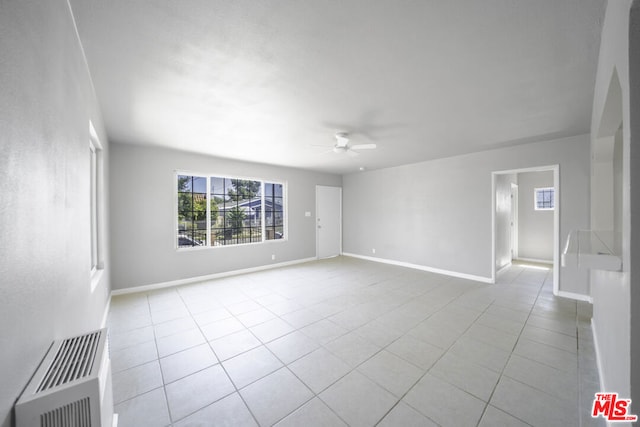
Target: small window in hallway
(544, 199)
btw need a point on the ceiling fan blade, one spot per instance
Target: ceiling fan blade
(363, 146)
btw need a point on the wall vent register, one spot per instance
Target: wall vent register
(72, 386)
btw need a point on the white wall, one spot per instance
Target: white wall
(616, 295)
(438, 213)
(47, 102)
(503, 219)
(143, 219)
(535, 228)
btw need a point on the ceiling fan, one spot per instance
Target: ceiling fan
(342, 145)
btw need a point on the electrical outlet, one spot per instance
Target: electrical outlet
(273, 257)
(373, 250)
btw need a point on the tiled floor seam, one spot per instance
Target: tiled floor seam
(164, 384)
(427, 372)
(235, 387)
(488, 402)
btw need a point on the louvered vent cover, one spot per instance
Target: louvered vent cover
(73, 361)
(76, 414)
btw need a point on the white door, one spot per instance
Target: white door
(328, 221)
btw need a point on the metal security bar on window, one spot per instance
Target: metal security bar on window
(544, 199)
(192, 211)
(222, 211)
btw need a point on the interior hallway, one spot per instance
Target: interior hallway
(350, 342)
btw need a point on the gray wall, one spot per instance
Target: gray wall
(535, 228)
(143, 219)
(503, 219)
(438, 213)
(47, 102)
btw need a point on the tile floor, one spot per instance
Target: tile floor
(349, 342)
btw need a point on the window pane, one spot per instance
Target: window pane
(236, 210)
(184, 183)
(199, 184)
(192, 211)
(243, 190)
(277, 190)
(278, 205)
(544, 198)
(268, 218)
(278, 218)
(217, 185)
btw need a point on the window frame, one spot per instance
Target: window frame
(208, 241)
(96, 209)
(535, 198)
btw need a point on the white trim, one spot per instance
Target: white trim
(507, 266)
(598, 358)
(556, 221)
(540, 261)
(97, 210)
(573, 295)
(96, 277)
(162, 285)
(422, 267)
(556, 229)
(514, 220)
(105, 316)
(494, 273)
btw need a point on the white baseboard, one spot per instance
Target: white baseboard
(506, 267)
(105, 315)
(537, 260)
(422, 267)
(573, 295)
(162, 285)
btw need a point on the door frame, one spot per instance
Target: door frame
(339, 222)
(514, 221)
(556, 219)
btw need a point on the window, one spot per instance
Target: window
(274, 211)
(95, 202)
(223, 211)
(192, 211)
(544, 199)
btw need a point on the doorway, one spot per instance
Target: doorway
(328, 221)
(508, 224)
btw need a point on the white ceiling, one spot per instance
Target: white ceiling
(265, 81)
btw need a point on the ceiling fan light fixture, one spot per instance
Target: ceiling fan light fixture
(342, 139)
(339, 149)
